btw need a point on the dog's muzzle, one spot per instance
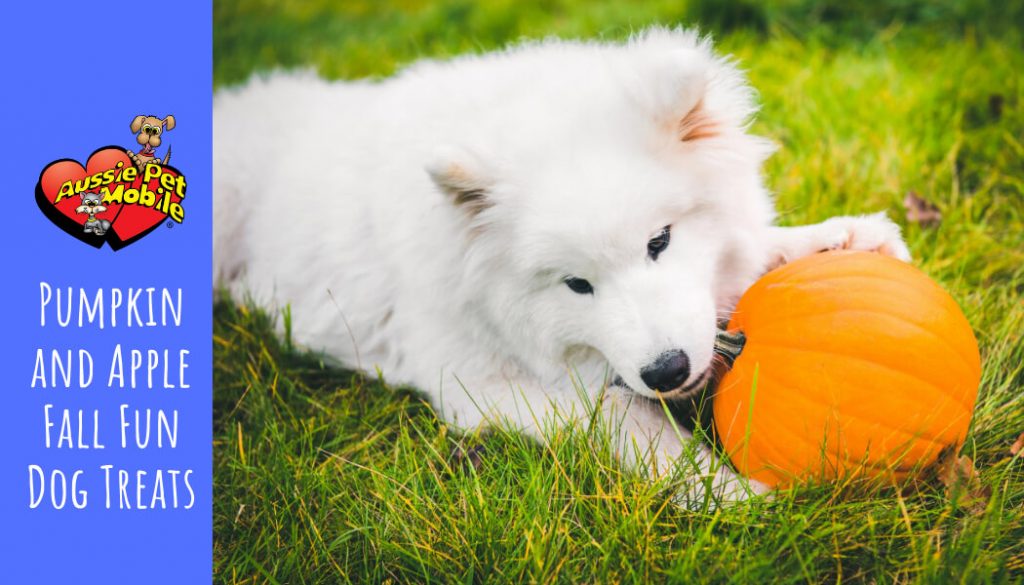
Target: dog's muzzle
(685, 391)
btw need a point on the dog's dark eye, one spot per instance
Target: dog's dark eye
(658, 243)
(579, 286)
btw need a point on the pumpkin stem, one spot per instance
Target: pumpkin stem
(729, 345)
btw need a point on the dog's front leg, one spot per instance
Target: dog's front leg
(644, 436)
(648, 440)
(866, 232)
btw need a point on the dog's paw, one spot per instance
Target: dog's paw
(757, 488)
(700, 495)
(873, 233)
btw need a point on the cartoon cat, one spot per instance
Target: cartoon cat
(92, 204)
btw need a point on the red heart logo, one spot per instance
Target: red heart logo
(135, 221)
(133, 208)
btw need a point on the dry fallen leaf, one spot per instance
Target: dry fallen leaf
(963, 483)
(920, 210)
(1017, 445)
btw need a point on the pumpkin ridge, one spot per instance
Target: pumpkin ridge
(936, 296)
(763, 409)
(822, 266)
(970, 367)
(764, 324)
(942, 391)
(765, 452)
(919, 436)
(872, 274)
(782, 461)
(777, 376)
(820, 260)
(789, 317)
(763, 446)
(782, 316)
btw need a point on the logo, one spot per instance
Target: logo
(118, 196)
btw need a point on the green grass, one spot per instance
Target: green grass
(324, 476)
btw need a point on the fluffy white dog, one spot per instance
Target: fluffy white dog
(538, 230)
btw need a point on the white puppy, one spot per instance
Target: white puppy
(541, 229)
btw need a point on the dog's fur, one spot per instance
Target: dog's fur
(426, 224)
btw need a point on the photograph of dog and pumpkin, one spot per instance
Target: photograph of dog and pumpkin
(607, 291)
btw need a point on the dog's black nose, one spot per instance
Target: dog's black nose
(668, 372)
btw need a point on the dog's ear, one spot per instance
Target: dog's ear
(697, 124)
(463, 177)
(169, 122)
(681, 91)
(137, 123)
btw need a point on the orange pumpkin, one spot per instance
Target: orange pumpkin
(853, 363)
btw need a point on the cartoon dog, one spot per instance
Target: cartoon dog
(92, 204)
(148, 130)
